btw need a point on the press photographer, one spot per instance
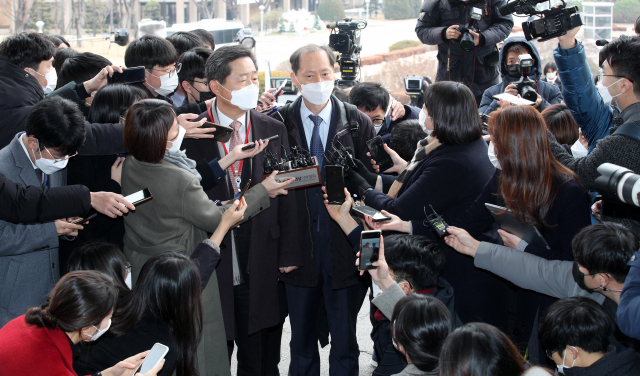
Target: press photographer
(469, 57)
(514, 79)
(611, 140)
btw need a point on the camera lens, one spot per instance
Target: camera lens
(529, 93)
(466, 42)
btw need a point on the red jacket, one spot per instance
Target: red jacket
(29, 350)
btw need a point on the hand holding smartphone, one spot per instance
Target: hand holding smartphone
(244, 190)
(128, 76)
(369, 249)
(378, 154)
(139, 197)
(253, 145)
(155, 356)
(335, 184)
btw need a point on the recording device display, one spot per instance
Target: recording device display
(128, 76)
(335, 184)
(415, 86)
(373, 213)
(554, 23)
(139, 197)
(437, 223)
(253, 145)
(466, 39)
(618, 184)
(345, 39)
(378, 154)
(155, 356)
(369, 249)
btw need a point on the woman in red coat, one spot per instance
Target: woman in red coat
(44, 340)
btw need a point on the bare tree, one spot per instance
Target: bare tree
(18, 11)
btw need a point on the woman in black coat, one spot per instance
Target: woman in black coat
(447, 173)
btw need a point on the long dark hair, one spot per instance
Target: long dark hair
(531, 175)
(420, 324)
(479, 349)
(101, 256)
(78, 300)
(168, 288)
(112, 101)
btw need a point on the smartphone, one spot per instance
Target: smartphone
(281, 88)
(222, 133)
(378, 154)
(83, 220)
(369, 248)
(335, 184)
(128, 76)
(375, 214)
(155, 356)
(139, 197)
(244, 190)
(266, 139)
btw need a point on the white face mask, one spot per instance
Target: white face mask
(48, 166)
(561, 367)
(245, 98)
(578, 150)
(491, 152)
(605, 94)
(422, 119)
(317, 93)
(52, 80)
(167, 84)
(551, 76)
(99, 333)
(175, 144)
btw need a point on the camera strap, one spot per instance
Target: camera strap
(630, 130)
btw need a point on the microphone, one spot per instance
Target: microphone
(602, 42)
(331, 25)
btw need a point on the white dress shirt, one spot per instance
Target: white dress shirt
(308, 124)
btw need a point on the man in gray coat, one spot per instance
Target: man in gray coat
(54, 132)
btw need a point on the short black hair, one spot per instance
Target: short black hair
(103, 257)
(193, 63)
(405, 137)
(370, 96)
(454, 112)
(550, 65)
(416, 259)
(420, 324)
(146, 129)
(81, 68)
(27, 50)
(112, 102)
(218, 66)
(297, 54)
(623, 55)
(183, 41)
(57, 123)
(61, 55)
(605, 248)
(207, 37)
(148, 51)
(577, 321)
(58, 40)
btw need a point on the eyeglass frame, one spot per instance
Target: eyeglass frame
(58, 160)
(601, 75)
(176, 69)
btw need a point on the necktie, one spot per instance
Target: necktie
(235, 141)
(45, 181)
(316, 148)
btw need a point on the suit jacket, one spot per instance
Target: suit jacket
(263, 244)
(28, 253)
(178, 218)
(31, 351)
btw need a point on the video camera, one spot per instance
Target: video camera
(345, 39)
(466, 39)
(618, 185)
(526, 86)
(415, 86)
(556, 21)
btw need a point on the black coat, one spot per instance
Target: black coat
(32, 204)
(342, 258)
(469, 68)
(614, 363)
(20, 91)
(264, 243)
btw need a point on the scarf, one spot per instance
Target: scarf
(426, 146)
(180, 159)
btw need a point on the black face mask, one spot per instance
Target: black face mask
(204, 95)
(514, 70)
(578, 276)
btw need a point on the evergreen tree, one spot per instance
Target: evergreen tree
(331, 10)
(281, 28)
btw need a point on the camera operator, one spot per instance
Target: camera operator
(439, 23)
(608, 139)
(373, 100)
(512, 73)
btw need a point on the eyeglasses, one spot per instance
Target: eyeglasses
(200, 82)
(377, 121)
(58, 160)
(171, 72)
(550, 354)
(601, 75)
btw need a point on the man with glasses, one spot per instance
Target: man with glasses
(373, 100)
(610, 138)
(54, 132)
(193, 87)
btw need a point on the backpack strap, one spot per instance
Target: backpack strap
(349, 117)
(629, 130)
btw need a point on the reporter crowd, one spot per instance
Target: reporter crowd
(126, 220)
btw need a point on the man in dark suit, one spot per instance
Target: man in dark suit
(262, 246)
(328, 274)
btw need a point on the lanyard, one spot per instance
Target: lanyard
(245, 141)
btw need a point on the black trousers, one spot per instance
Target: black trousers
(258, 353)
(342, 307)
